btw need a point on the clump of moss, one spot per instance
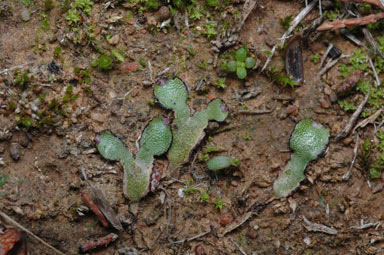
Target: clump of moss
(103, 62)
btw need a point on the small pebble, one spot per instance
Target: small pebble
(270, 40)
(163, 13)
(225, 219)
(114, 40)
(131, 67)
(15, 152)
(199, 250)
(25, 16)
(324, 103)
(24, 140)
(128, 251)
(98, 117)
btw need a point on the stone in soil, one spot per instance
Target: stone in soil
(15, 151)
(128, 251)
(163, 13)
(25, 15)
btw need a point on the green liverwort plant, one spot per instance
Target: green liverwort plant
(154, 141)
(308, 141)
(222, 162)
(104, 62)
(219, 204)
(241, 63)
(189, 130)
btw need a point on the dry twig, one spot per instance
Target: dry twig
(351, 37)
(330, 46)
(293, 25)
(353, 119)
(353, 22)
(100, 242)
(249, 112)
(374, 71)
(193, 237)
(248, 6)
(238, 246)
(315, 227)
(373, 2)
(368, 35)
(237, 223)
(366, 225)
(330, 64)
(348, 173)
(370, 119)
(11, 221)
(6, 70)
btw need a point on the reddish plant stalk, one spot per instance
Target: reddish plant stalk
(102, 241)
(354, 22)
(373, 2)
(96, 210)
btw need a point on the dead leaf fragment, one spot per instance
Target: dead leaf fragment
(8, 240)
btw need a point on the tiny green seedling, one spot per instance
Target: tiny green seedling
(189, 130)
(241, 63)
(154, 141)
(219, 204)
(3, 179)
(222, 162)
(204, 197)
(104, 62)
(308, 141)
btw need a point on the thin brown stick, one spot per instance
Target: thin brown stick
(238, 247)
(11, 221)
(96, 210)
(352, 120)
(237, 223)
(100, 242)
(354, 22)
(296, 21)
(370, 119)
(348, 173)
(193, 237)
(256, 111)
(373, 2)
(368, 35)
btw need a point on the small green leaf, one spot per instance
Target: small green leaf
(241, 54)
(222, 162)
(241, 72)
(374, 173)
(231, 66)
(249, 63)
(240, 64)
(3, 179)
(118, 55)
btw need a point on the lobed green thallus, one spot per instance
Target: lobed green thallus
(308, 141)
(188, 130)
(222, 162)
(154, 141)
